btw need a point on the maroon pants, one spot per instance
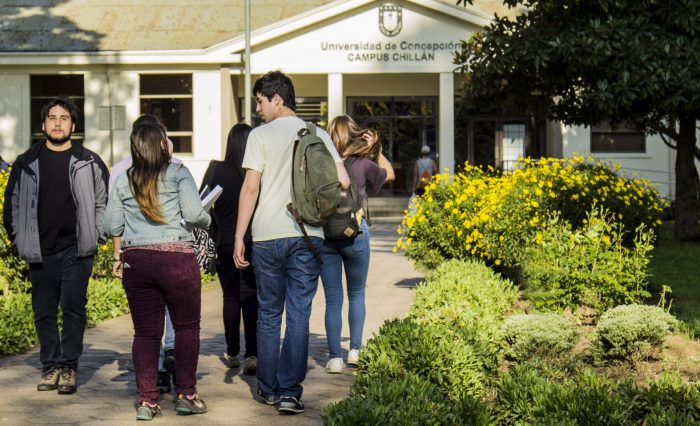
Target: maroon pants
(153, 279)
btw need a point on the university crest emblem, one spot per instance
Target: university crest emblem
(390, 19)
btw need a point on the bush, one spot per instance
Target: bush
(17, 333)
(538, 336)
(434, 353)
(14, 271)
(567, 267)
(526, 397)
(409, 400)
(632, 332)
(467, 298)
(494, 217)
(106, 299)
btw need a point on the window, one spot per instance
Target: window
(513, 144)
(169, 97)
(43, 88)
(617, 138)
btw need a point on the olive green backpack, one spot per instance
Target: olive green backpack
(315, 184)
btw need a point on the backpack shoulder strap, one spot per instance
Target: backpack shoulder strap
(311, 127)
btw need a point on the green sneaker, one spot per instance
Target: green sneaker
(146, 411)
(190, 404)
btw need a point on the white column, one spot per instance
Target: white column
(336, 105)
(15, 132)
(446, 144)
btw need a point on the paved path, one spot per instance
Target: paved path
(106, 380)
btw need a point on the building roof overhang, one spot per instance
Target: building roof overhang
(229, 52)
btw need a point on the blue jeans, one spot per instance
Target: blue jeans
(287, 278)
(61, 279)
(354, 255)
(168, 342)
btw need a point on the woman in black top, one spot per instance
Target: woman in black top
(238, 285)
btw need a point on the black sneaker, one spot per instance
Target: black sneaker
(268, 399)
(190, 405)
(163, 382)
(144, 411)
(169, 360)
(291, 405)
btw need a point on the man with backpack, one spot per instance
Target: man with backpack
(283, 256)
(424, 169)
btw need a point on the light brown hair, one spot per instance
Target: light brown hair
(149, 152)
(347, 137)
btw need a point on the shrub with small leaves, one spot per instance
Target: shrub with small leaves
(408, 400)
(541, 335)
(17, 333)
(468, 298)
(567, 267)
(435, 353)
(632, 332)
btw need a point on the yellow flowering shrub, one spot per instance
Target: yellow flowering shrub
(493, 216)
(13, 270)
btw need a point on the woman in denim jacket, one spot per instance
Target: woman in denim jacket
(150, 207)
(370, 170)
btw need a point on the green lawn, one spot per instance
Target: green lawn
(677, 264)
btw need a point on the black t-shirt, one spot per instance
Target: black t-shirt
(57, 211)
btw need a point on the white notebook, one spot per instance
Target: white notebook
(210, 198)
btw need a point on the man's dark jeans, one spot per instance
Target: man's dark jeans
(286, 273)
(62, 278)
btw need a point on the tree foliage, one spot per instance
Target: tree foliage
(593, 61)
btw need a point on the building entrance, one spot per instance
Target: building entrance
(404, 124)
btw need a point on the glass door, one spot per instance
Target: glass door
(405, 124)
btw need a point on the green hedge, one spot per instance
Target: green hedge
(443, 365)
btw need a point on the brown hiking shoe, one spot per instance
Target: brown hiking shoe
(49, 381)
(67, 380)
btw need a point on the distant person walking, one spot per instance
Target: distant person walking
(59, 237)
(424, 169)
(286, 271)
(238, 285)
(151, 206)
(361, 150)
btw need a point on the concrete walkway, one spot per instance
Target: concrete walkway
(107, 388)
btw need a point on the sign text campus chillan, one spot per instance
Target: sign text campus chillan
(390, 51)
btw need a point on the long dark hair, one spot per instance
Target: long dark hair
(149, 151)
(235, 146)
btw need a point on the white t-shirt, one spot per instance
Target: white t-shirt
(269, 151)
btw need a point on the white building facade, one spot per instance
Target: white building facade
(387, 64)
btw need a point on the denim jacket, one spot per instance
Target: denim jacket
(179, 200)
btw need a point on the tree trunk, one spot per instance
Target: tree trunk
(687, 212)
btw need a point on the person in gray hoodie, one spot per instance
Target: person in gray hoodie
(54, 205)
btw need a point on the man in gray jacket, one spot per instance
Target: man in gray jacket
(54, 203)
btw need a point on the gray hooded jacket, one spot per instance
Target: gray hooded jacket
(88, 181)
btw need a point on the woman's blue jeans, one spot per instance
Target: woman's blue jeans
(353, 254)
